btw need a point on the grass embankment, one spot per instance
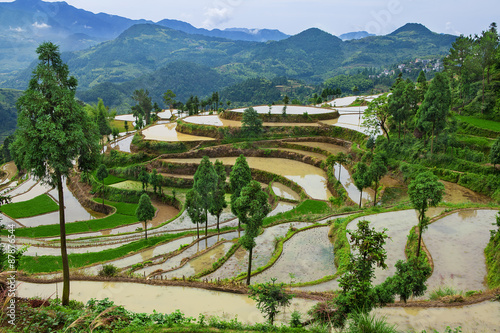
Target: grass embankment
(124, 215)
(41, 204)
(307, 210)
(47, 264)
(492, 253)
(481, 123)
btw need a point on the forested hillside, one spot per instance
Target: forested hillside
(8, 112)
(312, 55)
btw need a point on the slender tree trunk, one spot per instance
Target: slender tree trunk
(62, 230)
(432, 139)
(340, 169)
(206, 223)
(146, 229)
(375, 198)
(360, 197)
(218, 217)
(419, 238)
(198, 230)
(249, 265)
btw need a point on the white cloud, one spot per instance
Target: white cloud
(217, 16)
(17, 29)
(40, 25)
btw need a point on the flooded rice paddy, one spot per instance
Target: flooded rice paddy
(310, 178)
(285, 192)
(166, 299)
(456, 243)
(167, 132)
(262, 252)
(476, 318)
(329, 147)
(290, 109)
(348, 183)
(307, 256)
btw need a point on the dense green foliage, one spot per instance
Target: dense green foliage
(270, 297)
(8, 112)
(492, 253)
(145, 211)
(42, 204)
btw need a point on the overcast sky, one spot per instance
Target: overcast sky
(293, 16)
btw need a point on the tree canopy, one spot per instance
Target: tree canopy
(53, 131)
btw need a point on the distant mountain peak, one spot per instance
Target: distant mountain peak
(412, 28)
(355, 35)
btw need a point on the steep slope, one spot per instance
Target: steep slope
(8, 111)
(410, 41)
(184, 78)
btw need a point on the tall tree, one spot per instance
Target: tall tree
(219, 195)
(357, 293)
(376, 171)
(251, 122)
(144, 104)
(154, 180)
(434, 110)
(144, 179)
(286, 100)
(101, 174)
(422, 86)
(169, 98)
(194, 207)
(396, 104)
(424, 191)
(361, 179)
(376, 116)
(53, 130)
(252, 208)
(205, 184)
(341, 158)
(239, 177)
(145, 211)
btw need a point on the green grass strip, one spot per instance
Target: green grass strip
(309, 209)
(41, 204)
(48, 264)
(481, 123)
(125, 214)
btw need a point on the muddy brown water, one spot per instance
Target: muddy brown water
(200, 263)
(262, 252)
(285, 192)
(456, 243)
(167, 132)
(307, 256)
(165, 299)
(329, 147)
(320, 157)
(455, 193)
(476, 318)
(311, 179)
(140, 298)
(352, 190)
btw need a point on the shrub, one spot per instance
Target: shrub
(108, 270)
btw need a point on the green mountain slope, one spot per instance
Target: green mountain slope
(8, 112)
(184, 78)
